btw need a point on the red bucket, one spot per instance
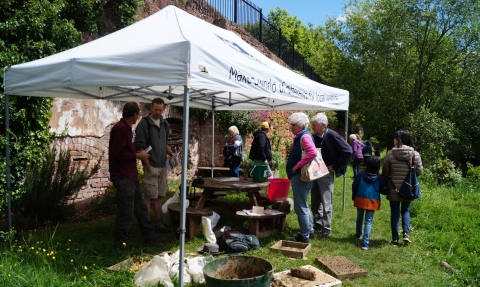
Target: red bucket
(278, 188)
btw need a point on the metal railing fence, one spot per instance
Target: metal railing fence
(251, 18)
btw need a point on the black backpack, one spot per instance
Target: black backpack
(235, 241)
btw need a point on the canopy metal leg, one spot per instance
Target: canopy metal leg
(345, 175)
(7, 161)
(183, 192)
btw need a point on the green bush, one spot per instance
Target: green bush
(473, 172)
(51, 183)
(444, 171)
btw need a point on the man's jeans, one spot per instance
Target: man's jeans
(130, 202)
(395, 216)
(368, 225)
(322, 195)
(300, 205)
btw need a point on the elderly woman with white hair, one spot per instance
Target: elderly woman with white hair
(233, 151)
(302, 141)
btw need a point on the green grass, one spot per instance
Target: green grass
(445, 227)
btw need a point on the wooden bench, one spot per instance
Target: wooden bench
(257, 224)
(193, 220)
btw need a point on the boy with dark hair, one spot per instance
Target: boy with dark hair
(366, 189)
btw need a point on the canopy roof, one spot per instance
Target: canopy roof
(157, 56)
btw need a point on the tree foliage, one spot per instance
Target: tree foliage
(35, 29)
(403, 57)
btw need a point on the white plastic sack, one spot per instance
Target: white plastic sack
(195, 268)
(214, 218)
(290, 201)
(173, 162)
(152, 273)
(207, 230)
(174, 266)
(173, 199)
(165, 213)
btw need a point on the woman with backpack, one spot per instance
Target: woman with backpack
(394, 170)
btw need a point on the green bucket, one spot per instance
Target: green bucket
(238, 271)
(260, 172)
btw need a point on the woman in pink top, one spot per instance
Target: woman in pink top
(302, 140)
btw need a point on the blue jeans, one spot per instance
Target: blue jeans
(235, 168)
(300, 194)
(368, 225)
(356, 166)
(395, 216)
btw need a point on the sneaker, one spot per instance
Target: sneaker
(358, 237)
(394, 242)
(364, 247)
(300, 238)
(156, 240)
(325, 234)
(406, 239)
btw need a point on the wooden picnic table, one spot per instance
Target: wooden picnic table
(211, 185)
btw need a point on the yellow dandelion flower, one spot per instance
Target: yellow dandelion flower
(68, 249)
(1, 265)
(85, 267)
(44, 250)
(93, 264)
(53, 257)
(20, 246)
(71, 260)
(124, 244)
(9, 275)
(15, 265)
(84, 277)
(48, 254)
(36, 252)
(69, 240)
(33, 248)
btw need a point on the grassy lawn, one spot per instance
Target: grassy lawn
(445, 227)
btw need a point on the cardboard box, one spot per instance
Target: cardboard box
(292, 248)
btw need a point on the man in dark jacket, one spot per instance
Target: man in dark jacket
(335, 154)
(123, 173)
(260, 152)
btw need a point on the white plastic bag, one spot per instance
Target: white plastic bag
(165, 213)
(152, 273)
(214, 218)
(195, 268)
(207, 230)
(173, 162)
(173, 199)
(174, 266)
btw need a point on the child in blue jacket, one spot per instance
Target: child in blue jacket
(366, 189)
